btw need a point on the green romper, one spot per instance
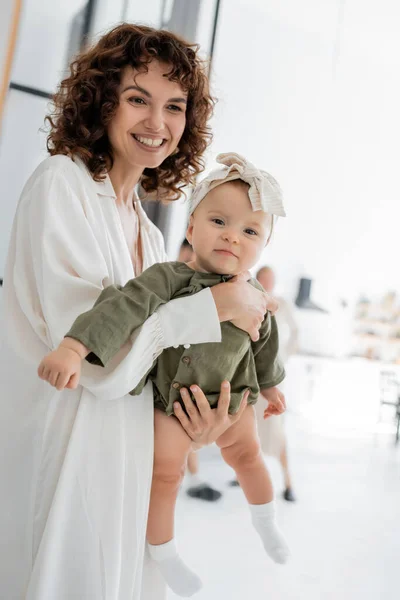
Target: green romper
(119, 311)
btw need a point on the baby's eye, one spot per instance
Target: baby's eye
(251, 231)
(218, 221)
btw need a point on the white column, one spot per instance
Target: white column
(10, 11)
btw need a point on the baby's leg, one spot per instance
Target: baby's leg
(240, 448)
(171, 447)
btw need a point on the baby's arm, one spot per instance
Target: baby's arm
(99, 333)
(62, 367)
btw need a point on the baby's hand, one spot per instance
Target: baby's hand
(276, 402)
(61, 368)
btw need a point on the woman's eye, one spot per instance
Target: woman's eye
(251, 231)
(175, 108)
(218, 221)
(136, 100)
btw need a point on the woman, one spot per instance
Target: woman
(77, 464)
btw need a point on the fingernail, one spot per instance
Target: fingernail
(184, 392)
(225, 384)
(194, 388)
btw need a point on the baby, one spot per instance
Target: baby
(231, 220)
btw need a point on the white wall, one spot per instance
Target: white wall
(22, 147)
(40, 62)
(41, 52)
(329, 135)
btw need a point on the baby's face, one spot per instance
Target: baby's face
(226, 234)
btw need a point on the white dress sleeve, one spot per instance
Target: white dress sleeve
(57, 269)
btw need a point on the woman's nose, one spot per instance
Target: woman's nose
(155, 120)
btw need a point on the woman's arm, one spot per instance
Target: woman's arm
(56, 271)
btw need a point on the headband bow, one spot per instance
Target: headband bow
(264, 193)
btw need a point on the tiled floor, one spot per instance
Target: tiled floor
(344, 530)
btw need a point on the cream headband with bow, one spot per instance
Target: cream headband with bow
(264, 193)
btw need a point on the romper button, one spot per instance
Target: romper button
(176, 385)
(186, 346)
(186, 360)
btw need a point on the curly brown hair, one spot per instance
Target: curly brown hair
(87, 100)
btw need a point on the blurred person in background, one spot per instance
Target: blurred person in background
(271, 430)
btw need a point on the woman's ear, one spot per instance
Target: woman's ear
(189, 231)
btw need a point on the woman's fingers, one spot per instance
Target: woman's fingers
(254, 334)
(190, 407)
(182, 417)
(203, 406)
(224, 399)
(242, 407)
(271, 303)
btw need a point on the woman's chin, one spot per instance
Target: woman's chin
(148, 159)
(147, 162)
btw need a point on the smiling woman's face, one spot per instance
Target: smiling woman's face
(150, 119)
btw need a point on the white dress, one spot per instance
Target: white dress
(76, 465)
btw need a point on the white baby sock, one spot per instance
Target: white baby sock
(178, 576)
(263, 517)
(195, 480)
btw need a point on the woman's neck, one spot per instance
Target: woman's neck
(124, 179)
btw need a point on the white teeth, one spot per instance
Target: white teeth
(148, 141)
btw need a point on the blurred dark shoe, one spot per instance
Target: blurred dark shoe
(288, 495)
(234, 483)
(204, 492)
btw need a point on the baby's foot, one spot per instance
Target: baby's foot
(264, 521)
(177, 575)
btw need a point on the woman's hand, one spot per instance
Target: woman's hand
(243, 304)
(202, 423)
